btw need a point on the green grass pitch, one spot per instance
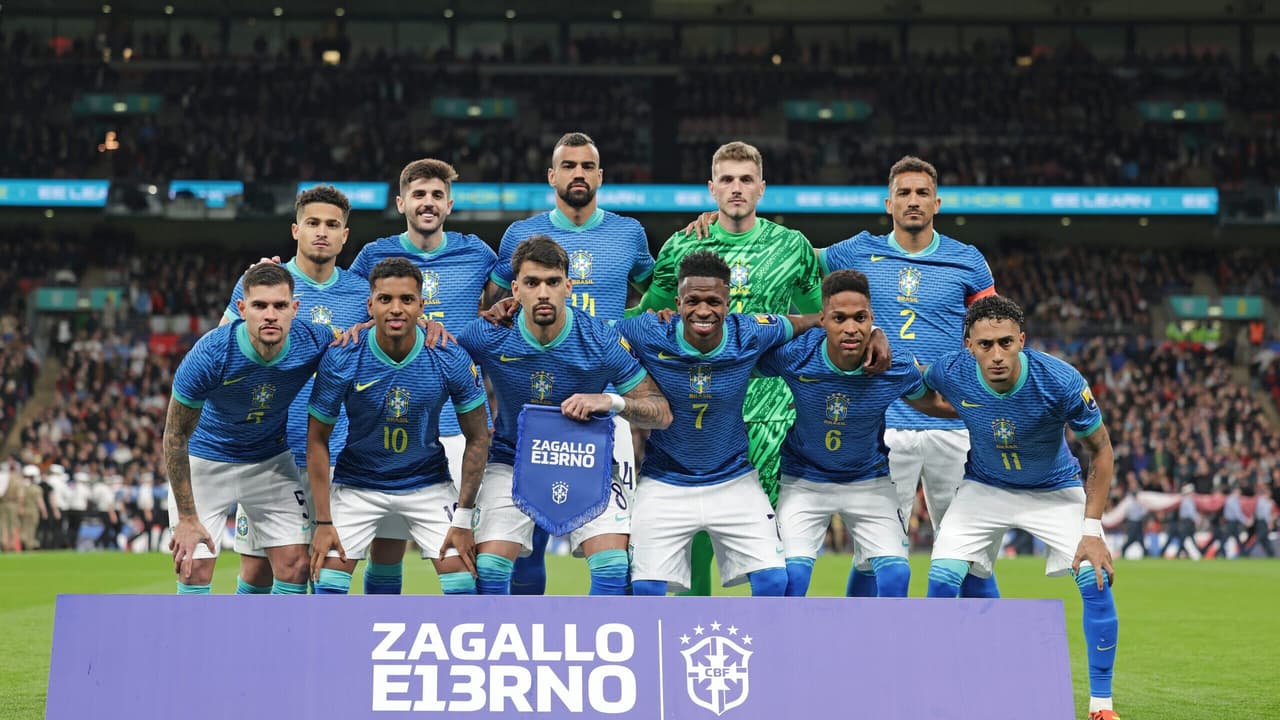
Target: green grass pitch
(1197, 640)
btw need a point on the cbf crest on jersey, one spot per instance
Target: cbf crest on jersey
(262, 396)
(837, 408)
(908, 283)
(717, 666)
(580, 262)
(397, 400)
(1003, 429)
(699, 379)
(540, 385)
(321, 315)
(739, 278)
(430, 287)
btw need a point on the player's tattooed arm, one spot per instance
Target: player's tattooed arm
(179, 424)
(475, 431)
(647, 407)
(1097, 487)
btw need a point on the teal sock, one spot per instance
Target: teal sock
(493, 574)
(184, 589)
(1101, 629)
(458, 583)
(609, 570)
(383, 578)
(280, 587)
(333, 582)
(244, 588)
(946, 576)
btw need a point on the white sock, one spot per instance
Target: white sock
(1097, 703)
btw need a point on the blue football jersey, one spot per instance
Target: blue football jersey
(918, 298)
(394, 407)
(453, 279)
(838, 435)
(586, 357)
(245, 400)
(606, 253)
(1016, 439)
(707, 440)
(338, 303)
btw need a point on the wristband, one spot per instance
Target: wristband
(1093, 526)
(324, 522)
(874, 328)
(617, 403)
(463, 518)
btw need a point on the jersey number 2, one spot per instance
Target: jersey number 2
(910, 315)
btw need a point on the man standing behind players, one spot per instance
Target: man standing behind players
(393, 464)
(834, 460)
(455, 268)
(921, 282)
(327, 296)
(1021, 474)
(553, 355)
(224, 436)
(608, 253)
(696, 475)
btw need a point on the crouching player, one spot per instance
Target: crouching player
(834, 460)
(393, 464)
(1022, 474)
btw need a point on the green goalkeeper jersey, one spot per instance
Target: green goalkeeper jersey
(771, 270)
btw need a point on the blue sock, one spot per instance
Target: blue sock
(862, 583)
(946, 576)
(458, 583)
(976, 587)
(530, 574)
(280, 587)
(609, 570)
(383, 578)
(493, 574)
(1101, 629)
(770, 582)
(648, 587)
(333, 582)
(244, 588)
(184, 589)
(799, 571)
(893, 575)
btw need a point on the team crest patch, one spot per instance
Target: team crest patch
(541, 383)
(559, 492)
(717, 665)
(475, 374)
(242, 526)
(1089, 402)
(1003, 429)
(579, 265)
(739, 276)
(625, 345)
(908, 281)
(764, 319)
(397, 399)
(699, 378)
(262, 395)
(321, 315)
(837, 408)
(430, 286)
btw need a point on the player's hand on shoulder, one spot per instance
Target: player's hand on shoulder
(582, 406)
(1094, 550)
(435, 334)
(701, 227)
(502, 312)
(323, 540)
(273, 260)
(664, 315)
(878, 357)
(352, 335)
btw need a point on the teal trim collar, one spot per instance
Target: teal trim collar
(692, 351)
(929, 250)
(246, 347)
(419, 339)
(527, 334)
(831, 365)
(1022, 378)
(408, 245)
(563, 222)
(292, 267)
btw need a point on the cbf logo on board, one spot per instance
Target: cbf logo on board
(716, 663)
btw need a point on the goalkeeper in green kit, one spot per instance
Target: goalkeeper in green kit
(773, 269)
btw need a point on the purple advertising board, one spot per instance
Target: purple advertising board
(588, 657)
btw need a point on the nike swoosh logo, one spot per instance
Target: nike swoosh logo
(505, 358)
(808, 379)
(621, 516)
(966, 403)
(233, 382)
(1104, 649)
(664, 356)
(360, 387)
(878, 258)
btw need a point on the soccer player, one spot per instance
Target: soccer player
(225, 434)
(393, 464)
(1021, 473)
(772, 269)
(833, 459)
(696, 475)
(559, 356)
(455, 268)
(608, 253)
(327, 296)
(921, 282)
